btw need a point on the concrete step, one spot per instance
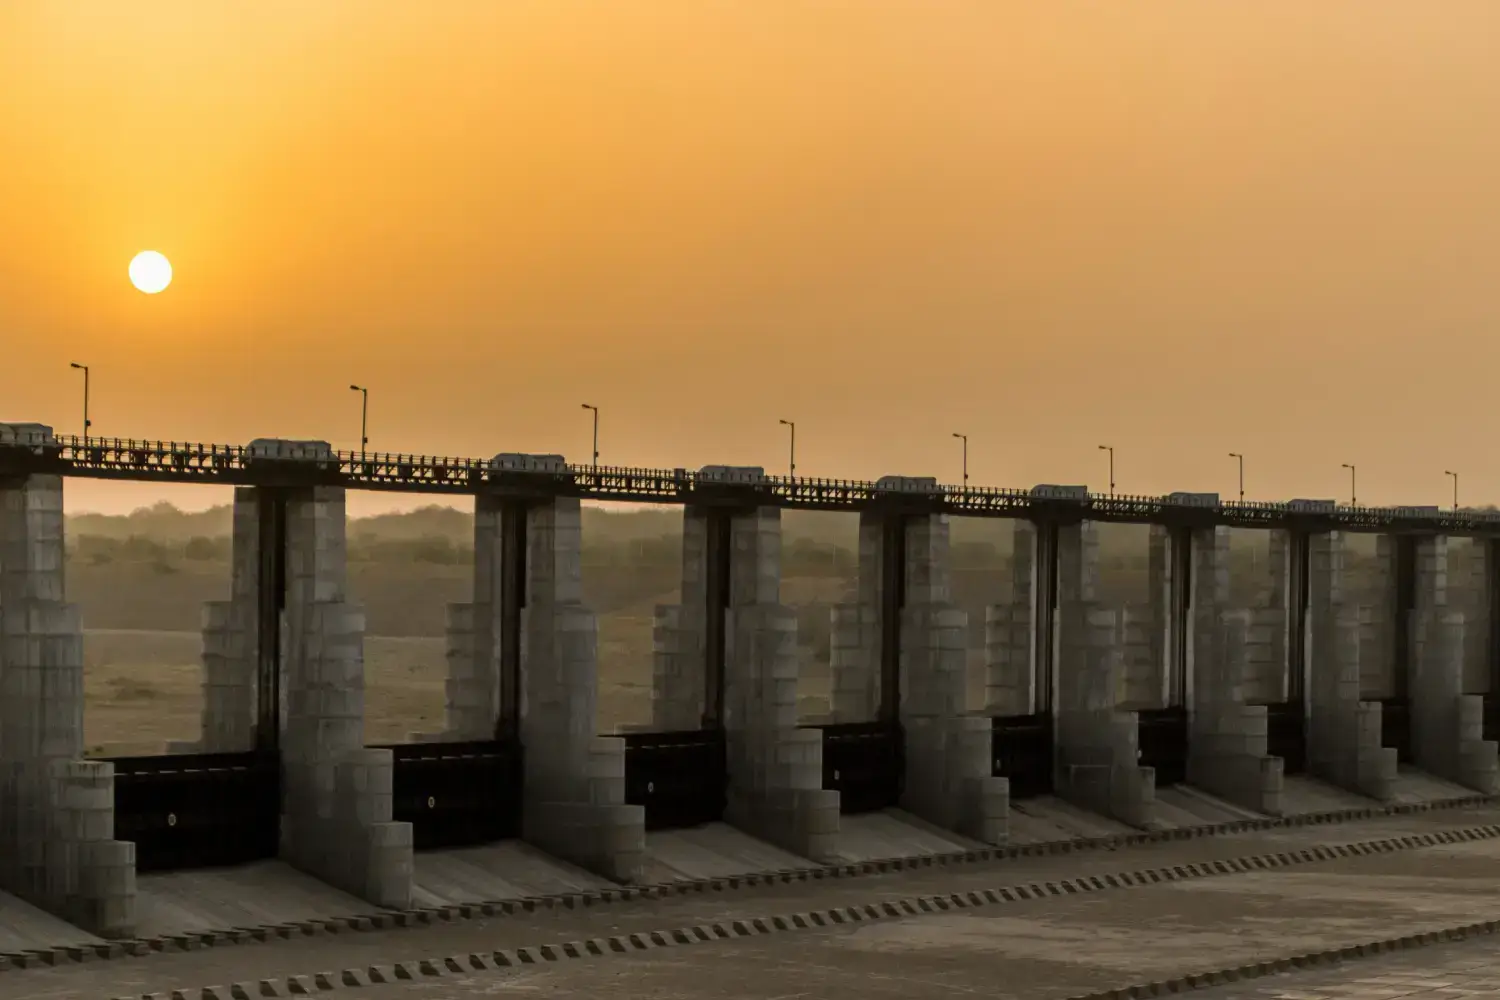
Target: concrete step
(714, 850)
(24, 927)
(509, 869)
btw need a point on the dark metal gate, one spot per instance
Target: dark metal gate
(1395, 727)
(1286, 735)
(1163, 734)
(458, 794)
(680, 778)
(1022, 750)
(198, 810)
(865, 762)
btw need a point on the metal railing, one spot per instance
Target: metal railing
(125, 458)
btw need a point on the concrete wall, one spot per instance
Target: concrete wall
(775, 768)
(1227, 742)
(1010, 635)
(1447, 724)
(1097, 744)
(949, 769)
(1344, 736)
(336, 795)
(575, 779)
(57, 846)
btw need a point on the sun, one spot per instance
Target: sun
(150, 272)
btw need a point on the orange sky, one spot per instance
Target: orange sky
(1183, 228)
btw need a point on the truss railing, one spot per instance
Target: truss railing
(124, 458)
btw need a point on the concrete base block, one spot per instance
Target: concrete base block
(1227, 757)
(608, 840)
(802, 821)
(1097, 769)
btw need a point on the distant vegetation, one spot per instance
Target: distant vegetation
(154, 568)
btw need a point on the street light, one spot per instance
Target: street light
(596, 432)
(1455, 488)
(364, 418)
(792, 424)
(1111, 450)
(1235, 454)
(86, 422)
(965, 439)
(1353, 494)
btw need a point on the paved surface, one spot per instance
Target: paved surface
(1046, 950)
(1453, 972)
(1037, 949)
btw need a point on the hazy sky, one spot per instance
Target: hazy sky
(1182, 228)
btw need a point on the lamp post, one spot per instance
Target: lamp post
(1235, 454)
(1455, 488)
(965, 439)
(1353, 493)
(792, 457)
(364, 418)
(586, 406)
(1111, 450)
(87, 423)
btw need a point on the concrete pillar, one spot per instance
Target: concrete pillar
(575, 780)
(1097, 745)
(680, 637)
(231, 643)
(1377, 626)
(854, 657)
(949, 768)
(1227, 737)
(336, 794)
(1469, 592)
(1343, 745)
(1010, 634)
(1447, 724)
(57, 846)
(775, 768)
(472, 631)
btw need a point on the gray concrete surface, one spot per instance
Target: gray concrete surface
(1043, 950)
(1205, 916)
(1452, 972)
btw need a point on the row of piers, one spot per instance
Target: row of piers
(283, 671)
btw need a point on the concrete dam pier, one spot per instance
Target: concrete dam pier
(1329, 689)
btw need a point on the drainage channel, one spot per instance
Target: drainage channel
(468, 964)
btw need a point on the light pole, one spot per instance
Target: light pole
(965, 439)
(364, 418)
(1353, 493)
(1455, 488)
(596, 432)
(1111, 450)
(87, 423)
(1235, 454)
(792, 425)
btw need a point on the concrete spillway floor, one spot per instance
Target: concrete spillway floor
(892, 833)
(253, 895)
(508, 869)
(1304, 794)
(713, 850)
(1182, 806)
(1413, 785)
(23, 927)
(1047, 819)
